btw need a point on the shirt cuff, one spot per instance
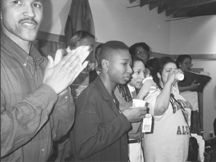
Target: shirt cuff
(45, 96)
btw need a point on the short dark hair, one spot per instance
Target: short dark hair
(181, 58)
(79, 36)
(109, 48)
(96, 51)
(146, 47)
(158, 67)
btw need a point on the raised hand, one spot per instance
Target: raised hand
(62, 71)
(146, 88)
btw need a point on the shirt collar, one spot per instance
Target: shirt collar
(14, 50)
(131, 89)
(101, 88)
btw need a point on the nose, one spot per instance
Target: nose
(142, 75)
(29, 11)
(129, 69)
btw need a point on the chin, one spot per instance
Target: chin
(122, 82)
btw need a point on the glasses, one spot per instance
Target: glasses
(142, 53)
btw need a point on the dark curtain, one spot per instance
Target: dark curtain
(79, 18)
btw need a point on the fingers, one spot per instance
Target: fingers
(78, 60)
(77, 70)
(50, 62)
(75, 58)
(58, 56)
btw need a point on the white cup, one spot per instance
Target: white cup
(139, 103)
(147, 78)
(179, 76)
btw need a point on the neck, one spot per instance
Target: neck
(25, 45)
(109, 85)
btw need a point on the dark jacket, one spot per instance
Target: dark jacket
(100, 130)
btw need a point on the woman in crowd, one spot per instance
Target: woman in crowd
(184, 62)
(125, 94)
(169, 140)
(141, 50)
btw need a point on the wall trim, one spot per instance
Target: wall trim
(210, 57)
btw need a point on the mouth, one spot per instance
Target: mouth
(127, 78)
(29, 24)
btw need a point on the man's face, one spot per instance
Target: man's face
(21, 19)
(120, 67)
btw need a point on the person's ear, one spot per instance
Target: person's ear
(105, 64)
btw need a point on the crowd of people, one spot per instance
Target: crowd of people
(87, 114)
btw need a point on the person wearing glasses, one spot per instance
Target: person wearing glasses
(169, 139)
(141, 50)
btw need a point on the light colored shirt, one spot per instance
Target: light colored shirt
(170, 137)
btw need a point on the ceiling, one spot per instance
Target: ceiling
(181, 8)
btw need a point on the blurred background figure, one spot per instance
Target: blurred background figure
(184, 62)
(94, 73)
(81, 38)
(141, 50)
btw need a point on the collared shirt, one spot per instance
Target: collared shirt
(100, 130)
(29, 122)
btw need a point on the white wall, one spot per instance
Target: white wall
(209, 111)
(198, 36)
(114, 21)
(193, 35)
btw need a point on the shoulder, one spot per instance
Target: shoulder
(90, 93)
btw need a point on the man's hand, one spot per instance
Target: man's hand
(135, 114)
(62, 71)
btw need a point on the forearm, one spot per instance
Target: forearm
(162, 101)
(185, 88)
(21, 122)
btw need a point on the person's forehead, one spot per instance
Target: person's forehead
(170, 65)
(140, 48)
(88, 40)
(121, 54)
(139, 65)
(186, 60)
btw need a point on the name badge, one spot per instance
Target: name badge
(147, 123)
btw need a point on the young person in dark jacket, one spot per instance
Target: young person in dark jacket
(100, 130)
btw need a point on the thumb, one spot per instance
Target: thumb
(50, 62)
(58, 56)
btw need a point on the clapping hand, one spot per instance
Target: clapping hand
(62, 71)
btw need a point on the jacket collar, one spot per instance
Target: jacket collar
(15, 51)
(101, 88)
